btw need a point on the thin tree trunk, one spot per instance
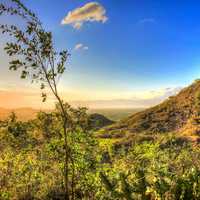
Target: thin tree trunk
(66, 147)
(73, 180)
(66, 163)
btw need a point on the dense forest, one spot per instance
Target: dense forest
(69, 154)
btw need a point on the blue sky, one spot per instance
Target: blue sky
(142, 46)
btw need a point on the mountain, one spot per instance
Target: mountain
(176, 114)
(98, 121)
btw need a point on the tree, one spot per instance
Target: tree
(16, 128)
(34, 56)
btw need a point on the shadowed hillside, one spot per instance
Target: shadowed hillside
(177, 113)
(98, 121)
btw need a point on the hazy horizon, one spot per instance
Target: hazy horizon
(15, 100)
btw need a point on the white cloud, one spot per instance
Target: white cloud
(147, 20)
(80, 46)
(90, 12)
(77, 25)
(85, 48)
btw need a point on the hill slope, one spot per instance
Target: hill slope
(174, 114)
(98, 121)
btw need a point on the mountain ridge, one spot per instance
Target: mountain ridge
(172, 115)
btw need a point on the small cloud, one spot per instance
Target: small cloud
(90, 12)
(77, 25)
(80, 46)
(147, 20)
(85, 48)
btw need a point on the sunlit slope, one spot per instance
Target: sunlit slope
(177, 113)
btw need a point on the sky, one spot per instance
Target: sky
(123, 53)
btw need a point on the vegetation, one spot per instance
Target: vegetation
(32, 159)
(33, 53)
(31, 164)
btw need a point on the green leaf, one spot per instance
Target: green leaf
(44, 97)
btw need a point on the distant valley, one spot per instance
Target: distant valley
(114, 114)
